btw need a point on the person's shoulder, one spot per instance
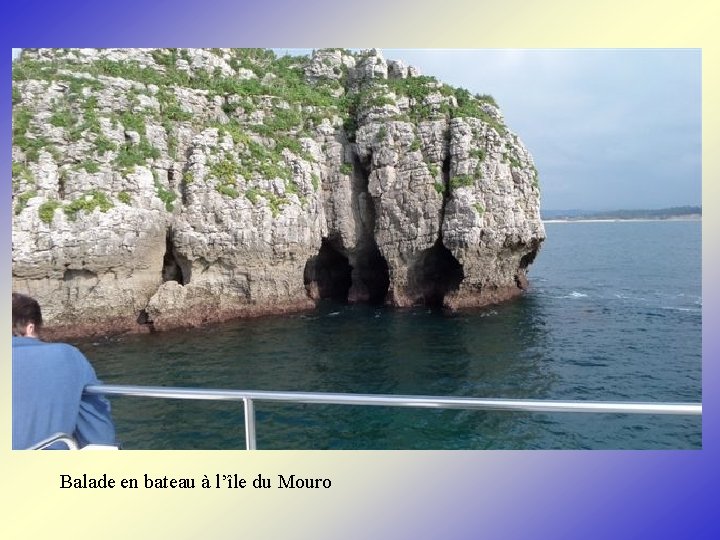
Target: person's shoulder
(22, 341)
(68, 356)
(60, 349)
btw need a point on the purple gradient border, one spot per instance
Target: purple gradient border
(534, 494)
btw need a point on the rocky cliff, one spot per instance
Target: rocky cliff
(156, 188)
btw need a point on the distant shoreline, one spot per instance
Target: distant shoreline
(599, 220)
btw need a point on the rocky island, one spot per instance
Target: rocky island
(161, 188)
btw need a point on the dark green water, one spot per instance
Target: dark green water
(614, 314)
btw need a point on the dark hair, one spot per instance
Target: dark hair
(25, 310)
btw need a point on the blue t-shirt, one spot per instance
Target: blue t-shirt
(47, 395)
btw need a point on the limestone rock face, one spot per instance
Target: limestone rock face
(157, 188)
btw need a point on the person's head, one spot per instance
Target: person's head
(26, 315)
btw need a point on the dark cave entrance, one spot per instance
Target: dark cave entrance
(529, 257)
(328, 274)
(363, 277)
(173, 268)
(371, 276)
(434, 274)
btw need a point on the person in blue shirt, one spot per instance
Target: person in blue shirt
(47, 386)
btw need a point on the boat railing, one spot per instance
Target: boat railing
(249, 397)
(54, 440)
(65, 441)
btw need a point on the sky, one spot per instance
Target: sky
(607, 128)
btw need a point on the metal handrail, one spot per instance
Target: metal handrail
(439, 402)
(67, 440)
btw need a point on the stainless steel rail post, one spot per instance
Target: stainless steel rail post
(250, 442)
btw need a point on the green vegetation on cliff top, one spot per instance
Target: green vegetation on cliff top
(292, 107)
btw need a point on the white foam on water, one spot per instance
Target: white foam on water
(573, 294)
(675, 308)
(629, 297)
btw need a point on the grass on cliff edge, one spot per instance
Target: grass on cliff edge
(280, 77)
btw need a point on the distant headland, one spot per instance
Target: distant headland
(672, 213)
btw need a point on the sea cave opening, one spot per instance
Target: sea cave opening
(370, 277)
(434, 274)
(172, 267)
(529, 257)
(328, 275)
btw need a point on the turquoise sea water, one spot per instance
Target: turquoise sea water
(614, 313)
